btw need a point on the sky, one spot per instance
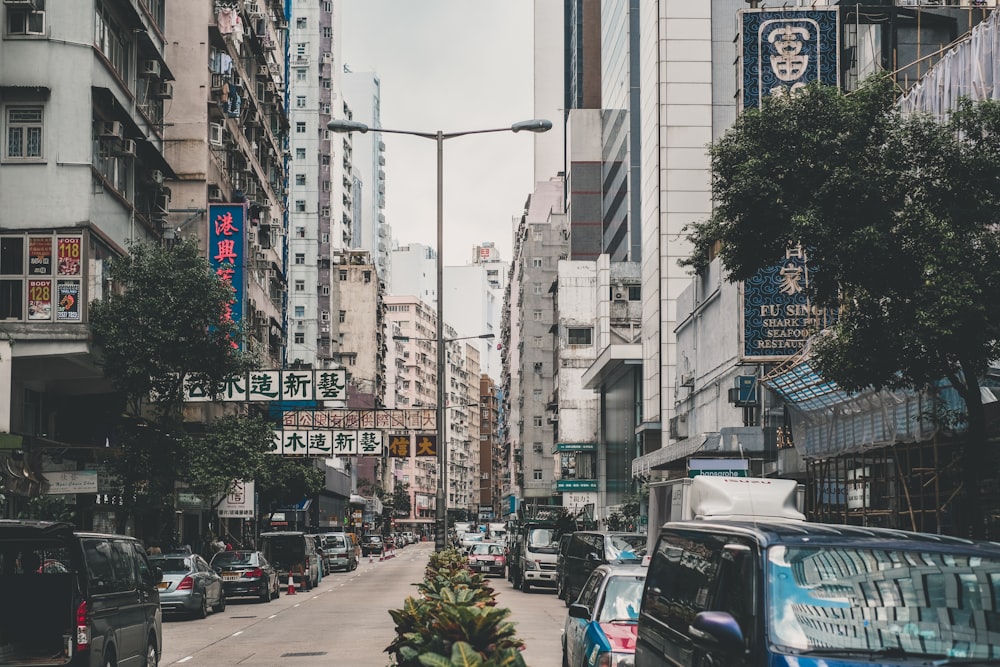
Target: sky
(450, 65)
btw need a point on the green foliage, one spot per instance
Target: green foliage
(166, 322)
(283, 481)
(234, 447)
(48, 508)
(455, 621)
(899, 216)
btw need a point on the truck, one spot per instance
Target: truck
(533, 541)
(690, 498)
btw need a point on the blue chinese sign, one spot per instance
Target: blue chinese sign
(784, 50)
(227, 252)
(777, 314)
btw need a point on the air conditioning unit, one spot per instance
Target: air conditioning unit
(620, 296)
(678, 427)
(166, 90)
(687, 379)
(214, 193)
(157, 176)
(149, 68)
(263, 70)
(109, 129)
(127, 147)
(217, 81)
(216, 131)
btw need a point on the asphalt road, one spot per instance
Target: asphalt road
(344, 621)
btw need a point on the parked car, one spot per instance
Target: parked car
(76, 598)
(189, 585)
(468, 539)
(560, 564)
(246, 574)
(774, 591)
(293, 554)
(372, 545)
(488, 558)
(601, 627)
(589, 548)
(340, 551)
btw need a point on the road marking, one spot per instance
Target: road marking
(272, 616)
(297, 605)
(184, 659)
(236, 634)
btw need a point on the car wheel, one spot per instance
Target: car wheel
(152, 658)
(525, 586)
(561, 589)
(221, 606)
(109, 659)
(203, 609)
(265, 593)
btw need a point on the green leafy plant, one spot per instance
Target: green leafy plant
(455, 621)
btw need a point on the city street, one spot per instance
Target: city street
(344, 621)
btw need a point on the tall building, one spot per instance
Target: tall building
(360, 324)
(489, 494)
(370, 231)
(414, 272)
(315, 165)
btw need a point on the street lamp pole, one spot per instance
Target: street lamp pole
(534, 125)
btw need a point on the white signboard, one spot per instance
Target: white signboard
(239, 503)
(579, 499)
(857, 488)
(76, 481)
(327, 443)
(273, 385)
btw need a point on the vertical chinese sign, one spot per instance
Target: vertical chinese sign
(227, 252)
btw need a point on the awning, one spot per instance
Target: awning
(611, 360)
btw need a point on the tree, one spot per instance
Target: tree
(401, 505)
(164, 322)
(899, 218)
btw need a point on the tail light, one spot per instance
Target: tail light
(187, 583)
(254, 573)
(82, 628)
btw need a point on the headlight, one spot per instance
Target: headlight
(530, 565)
(616, 660)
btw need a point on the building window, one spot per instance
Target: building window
(343, 274)
(325, 316)
(300, 73)
(367, 275)
(301, 23)
(300, 154)
(538, 367)
(300, 258)
(300, 48)
(536, 474)
(325, 212)
(300, 179)
(325, 160)
(342, 316)
(635, 293)
(537, 341)
(537, 316)
(579, 335)
(300, 101)
(300, 337)
(300, 127)
(300, 205)
(537, 236)
(327, 32)
(536, 262)
(538, 288)
(41, 277)
(536, 447)
(300, 312)
(300, 232)
(25, 22)
(326, 290)
(24, 132)
(300, 286)
(537, 395)
(326, 185)
(536, 421)
(113, 41)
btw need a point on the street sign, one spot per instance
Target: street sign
(719, 467)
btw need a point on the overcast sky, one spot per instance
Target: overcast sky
(449, 65)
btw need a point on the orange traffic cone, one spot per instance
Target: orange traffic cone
(291, 584)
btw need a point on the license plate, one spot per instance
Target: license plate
(230, 576)
(163, 585)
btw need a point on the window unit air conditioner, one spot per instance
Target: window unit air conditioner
(165, 91)
(109, 129)
(127, 148)
(263, 70)
(149, 68)
(214, 193)
(620, 295)
(216, 131)
(156, 176)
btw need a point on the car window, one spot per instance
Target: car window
(172, 564)
(681, 574)
(234, 558)
(626, 547)
(100, 568)
(621, 598)
(588, 595)
(145, 571)
(124, 564)
(337, 542)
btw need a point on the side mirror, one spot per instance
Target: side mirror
(581, 611)
(719, 630)
(594, 557)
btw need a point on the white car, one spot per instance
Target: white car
(468, 539)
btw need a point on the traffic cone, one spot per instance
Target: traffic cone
(291, 584)
(369, 556)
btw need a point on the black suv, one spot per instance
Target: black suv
(587, 549)
(75, 598)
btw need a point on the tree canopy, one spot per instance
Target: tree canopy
(899, 216)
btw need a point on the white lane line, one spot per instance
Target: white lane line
(184, 659)
(297, 605)
(272, 616)
(236, 634)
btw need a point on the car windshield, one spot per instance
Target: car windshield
(627, 548)
(543, 540)
(171, 565)
(234, 558)
(483, 549)
(829, 599)
(335, 542)
(284, 550)
(372, 538)
(621, 598)
(472, 537)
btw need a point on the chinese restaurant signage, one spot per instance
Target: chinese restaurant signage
(227, 252)
(777, 314)
(784, 50)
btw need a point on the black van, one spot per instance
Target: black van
(789, 593)
(293, 554)
(587, 549)
(76, 598)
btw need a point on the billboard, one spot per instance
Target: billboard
(227, 249)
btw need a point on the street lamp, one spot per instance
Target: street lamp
(534, 125)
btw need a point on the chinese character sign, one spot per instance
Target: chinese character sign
(227, 251)
(327, 443)
(783, 50)
(239, 502)
(777, 314)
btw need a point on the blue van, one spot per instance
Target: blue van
(782, 592)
